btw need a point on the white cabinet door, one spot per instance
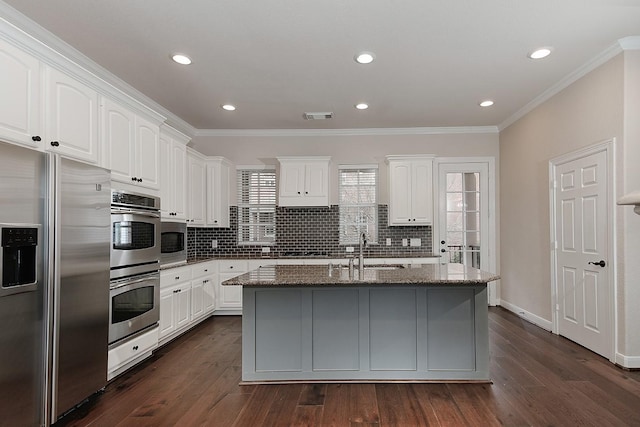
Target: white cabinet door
(218, 192)
(410, 190)
(71, 117)
(304, 181)
(167, 313)
(20, 100)
(197, 191)
(183, 305)
(118, 136)
(147, 157)
(209, 294)
(173, 178)
(400, 180)
(197, 299)
(230, 297)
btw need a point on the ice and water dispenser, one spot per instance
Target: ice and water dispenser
(19, 252)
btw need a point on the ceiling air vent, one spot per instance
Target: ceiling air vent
(317, 116)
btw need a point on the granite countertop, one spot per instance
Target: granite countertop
(313, 275)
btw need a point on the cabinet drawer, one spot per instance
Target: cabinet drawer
(133, 348)
(174, 275)
(203, 269)
(233, 266)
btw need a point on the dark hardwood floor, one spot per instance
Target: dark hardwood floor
(539, 379)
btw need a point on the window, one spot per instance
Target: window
(256, 206)
(358, 203)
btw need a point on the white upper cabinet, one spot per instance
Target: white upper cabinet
(130, 146)
(71, 117)
(20, 100)
(304, 181)
(197, 196)
(410, 190)
(173, 174)
(218, 169)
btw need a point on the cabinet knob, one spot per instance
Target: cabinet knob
(134, 178)
(205, 270)
(55, 143)
(306, 192)
(442, 242)
(36, 138)
(135, 348)
(139, 179)
(177, 277)
(216, 221)
(443, 250)
(231, 267)
(298, 192)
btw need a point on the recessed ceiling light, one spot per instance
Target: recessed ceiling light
(181, 59)
(365, 58)
(486, 103)
(228, 107)
(543, 52)
(362, 106)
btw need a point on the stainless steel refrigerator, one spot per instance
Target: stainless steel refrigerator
(54, 296)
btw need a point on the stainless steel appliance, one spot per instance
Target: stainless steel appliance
(135, 236)
(135, 264)
(173, 245)
(54, 298)
(134, 305)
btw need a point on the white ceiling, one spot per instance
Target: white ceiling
(276, 59)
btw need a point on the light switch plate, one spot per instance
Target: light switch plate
(266, 249)
(388, 241)
(214, 244)
(349, 249)
(415, 242)
(404, 242)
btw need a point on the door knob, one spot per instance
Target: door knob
(601, 263)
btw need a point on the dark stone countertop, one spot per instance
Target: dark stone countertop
(315, 275)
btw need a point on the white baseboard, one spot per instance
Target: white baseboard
(630, 362)
(529, 317)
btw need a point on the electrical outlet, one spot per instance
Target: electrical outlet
(349, 249)
(388, 241)
(415, 242)
(214, 244)
(404, 242)
(266, 249)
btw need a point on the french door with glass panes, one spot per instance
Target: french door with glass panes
(463, 216)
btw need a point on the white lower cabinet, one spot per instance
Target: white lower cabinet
(130, 352)
(230, 297)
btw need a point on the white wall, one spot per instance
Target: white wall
(346, 149)
(603, 104)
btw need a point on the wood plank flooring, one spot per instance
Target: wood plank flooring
(539, 379)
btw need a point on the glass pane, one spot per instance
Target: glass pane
(472, 201)
(367, 195)
(454, 239)
(454, 202)
(454, 182)
(133, 235)
(131, 304)
(349, 195)
(472, 181)
(454, 221)
(473, 241)
(472, 221)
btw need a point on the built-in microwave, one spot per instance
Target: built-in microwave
(173, 243)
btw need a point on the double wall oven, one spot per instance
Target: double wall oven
(135, 264)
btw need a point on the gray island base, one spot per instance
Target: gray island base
(426, 323)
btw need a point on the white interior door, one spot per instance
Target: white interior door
(581, 258)
(464, 220)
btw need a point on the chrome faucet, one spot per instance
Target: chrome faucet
(363, 244)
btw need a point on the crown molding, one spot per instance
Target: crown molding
(346, 132)
(26, 34)
(591, 65)
(630, 43)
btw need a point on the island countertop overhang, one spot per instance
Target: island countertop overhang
(323, 275)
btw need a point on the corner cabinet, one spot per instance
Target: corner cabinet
(71, 117)
(130, 146)
(304, 181)
(173, 173)
(410, 190)
(218, 170)
(20, 104)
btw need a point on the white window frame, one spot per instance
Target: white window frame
(255, 208)
(373, 239)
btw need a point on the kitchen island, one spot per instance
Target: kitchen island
(395, 323)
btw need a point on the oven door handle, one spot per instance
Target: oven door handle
(134, 212)
(127, 282)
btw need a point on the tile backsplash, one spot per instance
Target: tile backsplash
(306, 232)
